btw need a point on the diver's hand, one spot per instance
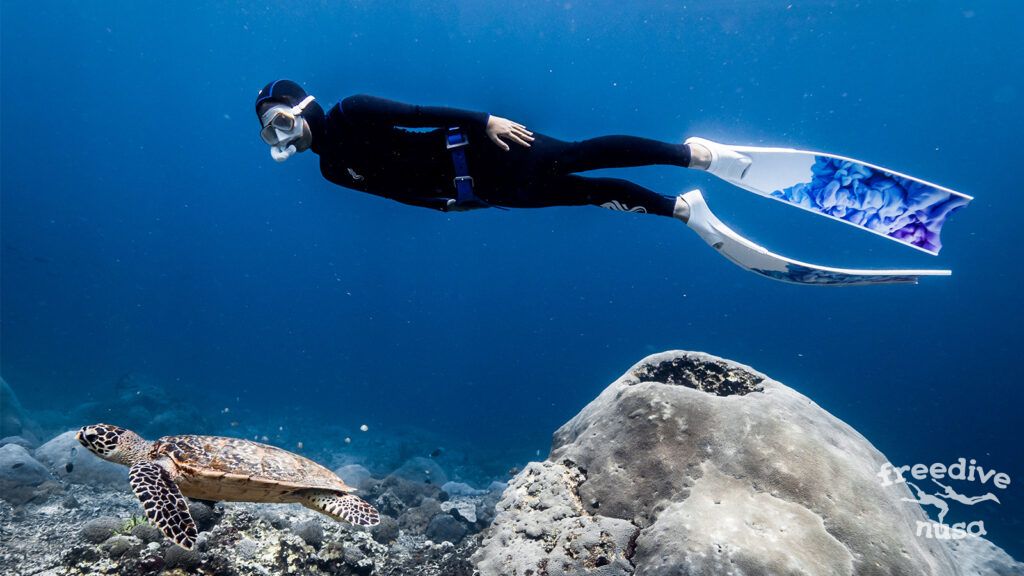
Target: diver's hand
(500, 129)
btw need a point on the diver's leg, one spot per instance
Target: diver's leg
(619, 152)
(572, 190)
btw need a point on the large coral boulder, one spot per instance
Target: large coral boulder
(691, 464)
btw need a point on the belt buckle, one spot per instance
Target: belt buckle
(455, 132)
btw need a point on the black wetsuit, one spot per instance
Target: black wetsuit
(362, 146)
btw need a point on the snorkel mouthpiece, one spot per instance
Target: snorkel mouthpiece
(280, 154)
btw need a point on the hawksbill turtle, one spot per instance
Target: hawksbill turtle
(163, 472)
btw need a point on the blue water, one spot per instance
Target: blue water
(145, 228)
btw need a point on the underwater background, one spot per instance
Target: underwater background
(147, 234)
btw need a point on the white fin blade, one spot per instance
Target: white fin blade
(760, 260)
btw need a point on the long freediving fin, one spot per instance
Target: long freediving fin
(755, 258)
(899, 207)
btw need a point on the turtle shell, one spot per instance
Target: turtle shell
(218, 468)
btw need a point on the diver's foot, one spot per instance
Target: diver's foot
(681, 211)
(700, 156)
(718, 159)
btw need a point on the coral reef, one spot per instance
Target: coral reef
(687, 464)
(79, 528)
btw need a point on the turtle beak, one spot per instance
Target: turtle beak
(83, 436)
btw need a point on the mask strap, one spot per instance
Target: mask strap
(302, 105)
(294, 110)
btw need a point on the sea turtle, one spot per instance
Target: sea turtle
(163, 472)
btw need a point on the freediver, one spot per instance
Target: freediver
(950, 494)
(926, 499)
(454, 160)
(470, 159)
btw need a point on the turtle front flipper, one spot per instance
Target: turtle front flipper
(163, 502)
(346, 507)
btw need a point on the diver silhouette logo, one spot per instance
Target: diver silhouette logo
(940, 499)
(951, 494)
(926, 499)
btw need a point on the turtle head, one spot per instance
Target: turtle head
(113, 443)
